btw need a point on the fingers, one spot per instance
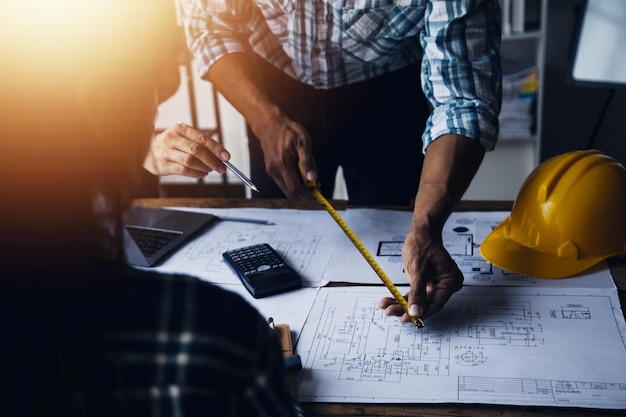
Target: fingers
(305, 158)
(440, 291)
(418, 297)
(415, 260)
(170, 166)
(433, 287)
(202, 149)
(183, 150)
(431, 290)
(434, 278)
(393, 308)
(289, 152)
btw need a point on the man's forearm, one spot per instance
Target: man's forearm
(235, 78)
(450, 164)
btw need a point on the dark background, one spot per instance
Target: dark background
(570, 111)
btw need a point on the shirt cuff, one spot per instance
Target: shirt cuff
(472, 119)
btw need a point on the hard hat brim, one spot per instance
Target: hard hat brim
(511, 256)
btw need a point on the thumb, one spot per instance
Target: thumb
(308, 167)
(417, 297)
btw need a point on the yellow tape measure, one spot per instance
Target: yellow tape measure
(418, 322)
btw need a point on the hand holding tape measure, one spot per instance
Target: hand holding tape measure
(312, 185)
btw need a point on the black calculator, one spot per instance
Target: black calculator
(262, 270)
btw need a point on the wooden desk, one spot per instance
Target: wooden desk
(618, 269)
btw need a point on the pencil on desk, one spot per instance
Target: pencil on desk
(246, 220)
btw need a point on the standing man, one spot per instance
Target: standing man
(328, 83)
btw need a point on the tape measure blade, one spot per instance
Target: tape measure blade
(418, 322)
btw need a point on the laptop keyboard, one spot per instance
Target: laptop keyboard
(150, 241)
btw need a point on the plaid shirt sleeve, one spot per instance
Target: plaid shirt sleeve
(461, 74)
(212, 30)
(215, 28)
(460, 39)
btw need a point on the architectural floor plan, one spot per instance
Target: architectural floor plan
(383, 233)
(304, 238)
(500, 345)
(502, 339)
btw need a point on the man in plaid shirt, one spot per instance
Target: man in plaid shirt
(324, 84)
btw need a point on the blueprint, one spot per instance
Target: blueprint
(291, 308)
(383, 232)
(305, 238)
(312, 243)
(498, 345)
(502, 339)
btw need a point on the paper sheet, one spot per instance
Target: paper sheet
(383, 232)
(305, 238)
(312, 243)
(291, 308)
(502, 339)
(495, 345)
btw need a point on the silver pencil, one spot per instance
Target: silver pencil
(240, 175)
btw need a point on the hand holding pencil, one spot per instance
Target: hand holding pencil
(183, 150)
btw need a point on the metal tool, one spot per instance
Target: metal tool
(240, 175)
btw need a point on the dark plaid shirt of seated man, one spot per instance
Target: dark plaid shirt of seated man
(149, 345)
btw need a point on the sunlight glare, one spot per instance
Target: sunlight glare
(56, 34)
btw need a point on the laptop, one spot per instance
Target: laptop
(151, 235)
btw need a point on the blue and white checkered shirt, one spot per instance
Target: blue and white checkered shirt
(330, 43)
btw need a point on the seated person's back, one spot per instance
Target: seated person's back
(83, 334)
(148, 342)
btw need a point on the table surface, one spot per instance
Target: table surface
(618, 270)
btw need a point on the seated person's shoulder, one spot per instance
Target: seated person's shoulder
(191, 296)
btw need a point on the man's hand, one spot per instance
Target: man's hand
(286, 145)
(287, 149)
(183, 150)
(450, 163)
(433, 274)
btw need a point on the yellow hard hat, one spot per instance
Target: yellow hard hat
(569, 215)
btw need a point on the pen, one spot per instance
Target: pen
(232, 168)
(240, 175)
